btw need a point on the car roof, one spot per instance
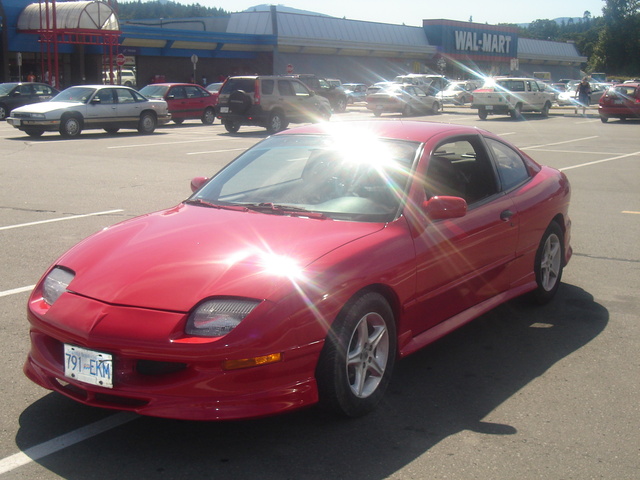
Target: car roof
(411, 130)
(174, 84)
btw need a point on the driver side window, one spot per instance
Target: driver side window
(461, 168)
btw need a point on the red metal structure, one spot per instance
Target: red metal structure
(79, 23)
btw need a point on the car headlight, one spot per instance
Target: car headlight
(215, 318)
(55, 284)
(39, 116)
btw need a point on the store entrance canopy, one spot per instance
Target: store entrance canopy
(68, 16)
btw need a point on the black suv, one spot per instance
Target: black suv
(336, 95)
(268, 101)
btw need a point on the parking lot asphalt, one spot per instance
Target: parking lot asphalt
(522, 392)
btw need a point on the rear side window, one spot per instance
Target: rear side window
(511, 167)
(267, 87)
(233, 84)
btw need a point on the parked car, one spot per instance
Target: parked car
(512, 96)
(300, 272)
(436, 82)
(376, 87)
(356, 92)
(456, 93)
(17, 94)
(335, 94)
(91, 106)
(185, 100)
(269, 101)
(620, 101)
(405, 99)
(123, 76)
(569, 97)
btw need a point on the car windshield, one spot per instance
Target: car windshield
(344, 177)
(154, 91)
(74, 94)
(5, 88)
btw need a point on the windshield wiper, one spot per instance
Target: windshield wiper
(268, 207)
(204, 203)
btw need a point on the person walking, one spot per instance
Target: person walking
(583, 92)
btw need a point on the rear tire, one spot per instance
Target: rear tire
(549, 264)
(277, 122)
(516, 113)
(231, 126)
(482, 113)
(604, 119)
(4, 112)
(358, 356)
(208, 116)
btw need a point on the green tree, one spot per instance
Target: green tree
(617, 50)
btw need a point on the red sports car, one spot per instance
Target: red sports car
(185, 100)
(300, 272)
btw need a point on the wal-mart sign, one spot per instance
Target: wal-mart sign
(466, 41)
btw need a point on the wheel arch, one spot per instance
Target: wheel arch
(383, 290)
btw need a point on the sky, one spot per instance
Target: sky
(412, 12)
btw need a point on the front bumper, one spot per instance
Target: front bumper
(157, 374)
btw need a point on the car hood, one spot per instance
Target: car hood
(45, 107)
(170, 260)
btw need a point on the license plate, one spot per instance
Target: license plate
(88, 366)
(489, 107)
(224, 109)
(617, 102)
(379, 107)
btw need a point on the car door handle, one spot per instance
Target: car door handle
(506, 215)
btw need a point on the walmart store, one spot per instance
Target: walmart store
(73, 42)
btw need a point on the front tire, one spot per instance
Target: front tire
(435, 108)
(545, 109)
(70, 126)
(604, 119)
(549, 264)
(34, 132)
(482, 113)
(358, 356)
(147, 123)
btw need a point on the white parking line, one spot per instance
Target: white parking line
(13, 291)
(215, 151)
(61, 219)
(63, 441)
(138, 145)
(610, 159)
(560, 143)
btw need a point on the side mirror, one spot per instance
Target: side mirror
(96, 100)
(171, 97)
(443, 207)
(197, 183)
